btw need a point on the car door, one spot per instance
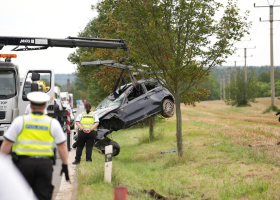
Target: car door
(136, 108)
(155, 95)
(47, 76)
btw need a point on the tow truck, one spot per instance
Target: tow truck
(13, 95)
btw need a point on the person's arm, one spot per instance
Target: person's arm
(63, 152)
(6, 146)
(60, 141)
(94, 126)
(96, 123)
(11, 135)
(80, 125)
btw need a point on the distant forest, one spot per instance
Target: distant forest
(262, 73)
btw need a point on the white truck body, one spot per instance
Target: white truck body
(13, 101)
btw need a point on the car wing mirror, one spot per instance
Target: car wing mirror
(74, 111)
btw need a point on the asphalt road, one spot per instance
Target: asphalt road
(56, 181)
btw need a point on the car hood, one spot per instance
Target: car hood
(101, 112)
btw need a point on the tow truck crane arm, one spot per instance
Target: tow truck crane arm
(71, 42)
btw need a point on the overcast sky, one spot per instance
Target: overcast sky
(61, 18)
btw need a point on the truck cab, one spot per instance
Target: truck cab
(9, 91)
(36, 80)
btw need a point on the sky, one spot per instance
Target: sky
(61, 18)
(50, 19)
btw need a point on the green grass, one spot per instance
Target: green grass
(212, 167)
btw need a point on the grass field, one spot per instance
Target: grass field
(229, 153)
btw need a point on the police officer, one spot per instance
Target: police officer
(31, 138)
(87, 123)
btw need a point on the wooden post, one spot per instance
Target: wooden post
(151, 128)
(108, 163)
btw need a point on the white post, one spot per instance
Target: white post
(108, 163)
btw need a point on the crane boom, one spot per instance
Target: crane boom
(38, 43)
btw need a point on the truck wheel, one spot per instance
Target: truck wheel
(116, 148)
(167, 108)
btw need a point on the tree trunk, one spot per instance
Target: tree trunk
(151, 128)
(179, 126)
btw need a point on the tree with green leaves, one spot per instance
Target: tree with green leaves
(239, 93)
(179, 40)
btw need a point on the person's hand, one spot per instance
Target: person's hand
(65, 170)
(85, 131)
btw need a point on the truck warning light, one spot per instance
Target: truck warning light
(8, 55)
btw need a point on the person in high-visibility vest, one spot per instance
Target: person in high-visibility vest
(32, 139)
(87, 123)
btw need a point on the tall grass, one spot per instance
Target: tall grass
(218, 162)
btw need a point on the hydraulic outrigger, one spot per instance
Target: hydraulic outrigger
(70, 42)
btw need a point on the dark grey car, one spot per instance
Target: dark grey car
(129, 105)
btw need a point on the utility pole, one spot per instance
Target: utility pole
(235, 71)
(271, 50)
(245, 63)
(224, 86)
(221, 87)
(229, 75)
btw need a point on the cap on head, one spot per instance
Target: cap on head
(38, 98)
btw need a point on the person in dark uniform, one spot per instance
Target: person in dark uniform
(87, 123)
(32, 139)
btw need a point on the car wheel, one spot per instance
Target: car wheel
(116, 148)
(74, 145)
(167, 108)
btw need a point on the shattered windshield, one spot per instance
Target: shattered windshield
(7, 84)
(110, 103)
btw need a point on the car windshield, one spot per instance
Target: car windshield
(110, 103)
(7, 83)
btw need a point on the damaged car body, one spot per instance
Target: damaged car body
(129, 105)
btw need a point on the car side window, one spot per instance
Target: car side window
(151, 85)
(135, 92)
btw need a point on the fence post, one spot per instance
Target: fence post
(68, 131)
(108, 163)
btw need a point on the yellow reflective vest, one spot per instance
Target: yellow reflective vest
(87, 120)
(35, 138)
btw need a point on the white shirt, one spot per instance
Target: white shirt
(16, 127)
(28, 110)
(12, 183)
(79, 118)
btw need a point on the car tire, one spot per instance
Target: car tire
(116, 148)
(74, 145)
(167, 108)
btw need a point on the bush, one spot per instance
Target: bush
(239, 93)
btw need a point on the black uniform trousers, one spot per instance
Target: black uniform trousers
(38, 173)
(88, 139)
